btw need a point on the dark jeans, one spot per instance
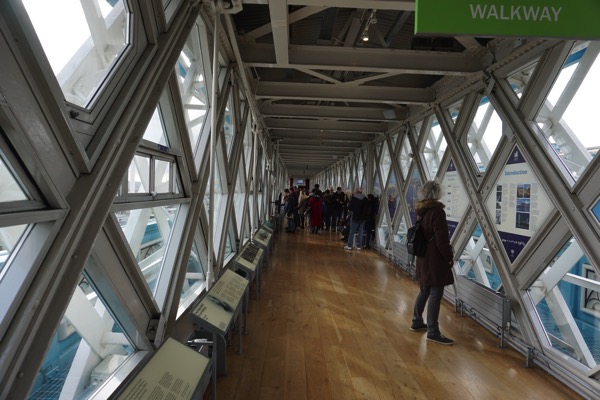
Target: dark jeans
(356, 227)
(432, 295)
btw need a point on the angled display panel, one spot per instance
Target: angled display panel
(519, 205)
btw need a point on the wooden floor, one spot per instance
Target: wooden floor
(334, 324)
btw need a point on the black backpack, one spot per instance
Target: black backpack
(416, 242)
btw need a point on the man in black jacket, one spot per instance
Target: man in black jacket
(358, 207)
(291, 210)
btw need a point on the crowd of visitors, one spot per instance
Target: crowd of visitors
(348, 212)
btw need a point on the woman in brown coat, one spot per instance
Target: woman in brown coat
(434, 270)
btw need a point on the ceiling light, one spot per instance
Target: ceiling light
(365, 37)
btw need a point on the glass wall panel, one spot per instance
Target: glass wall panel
(567, 116)
(88, 347)
(383, 232)
(484, 134)
(139, 175)
(147, 231)
(518, 81)
(194, 275)
(229, 124)
(83, 51)
(155, 131)
(9, 237)
(10, 190)
(405, 158)
(567, 300)
(434, 147)
(385, 162)
(377, 186)
(162, 176)
(392, 195)
(455, 109)
(477, 263)
(192, 84)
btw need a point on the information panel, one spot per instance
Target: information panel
(519, 204)
(218, 306)
(174, 372)
(249, 257)
(454, 198)
(567, 19)
(263, 237)
(414, 184)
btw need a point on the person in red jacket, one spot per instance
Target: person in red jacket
(434, 270)
(316, 211)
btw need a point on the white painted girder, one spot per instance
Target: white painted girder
(269, 109)
(331, 126)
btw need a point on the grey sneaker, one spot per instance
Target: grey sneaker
(347, 248)
(418, 328)
(441, 339)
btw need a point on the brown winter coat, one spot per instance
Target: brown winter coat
(434, 269)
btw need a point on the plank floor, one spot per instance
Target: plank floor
(334, 324)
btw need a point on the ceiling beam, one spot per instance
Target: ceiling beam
(331, 126)
(339, 58)
(375, 114)
(279, 24)
(330, 92)
(408, 5)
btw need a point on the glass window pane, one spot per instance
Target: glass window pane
(10, 190)
(383, 233)
(9, 237)
(139, 175)
(405, 158)
(484, 134)
(82, 51)
(229, 124)
(155, 131)
(377, 186)
(392, 195)
(194, 275)
(192, 84)
(476, 262)
(162, 176)
(434, 148)
(519, 80)
(455, 109)
(566, 117)
(567, 300)
(88, 347)
(147, 231)
(385, 162)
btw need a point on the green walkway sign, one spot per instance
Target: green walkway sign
(567, 19)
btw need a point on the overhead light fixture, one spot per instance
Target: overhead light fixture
(372, 19)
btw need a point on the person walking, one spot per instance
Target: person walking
(434, 270)
(358, 208)
(291, 210)
(316, 211)
(371, 217)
